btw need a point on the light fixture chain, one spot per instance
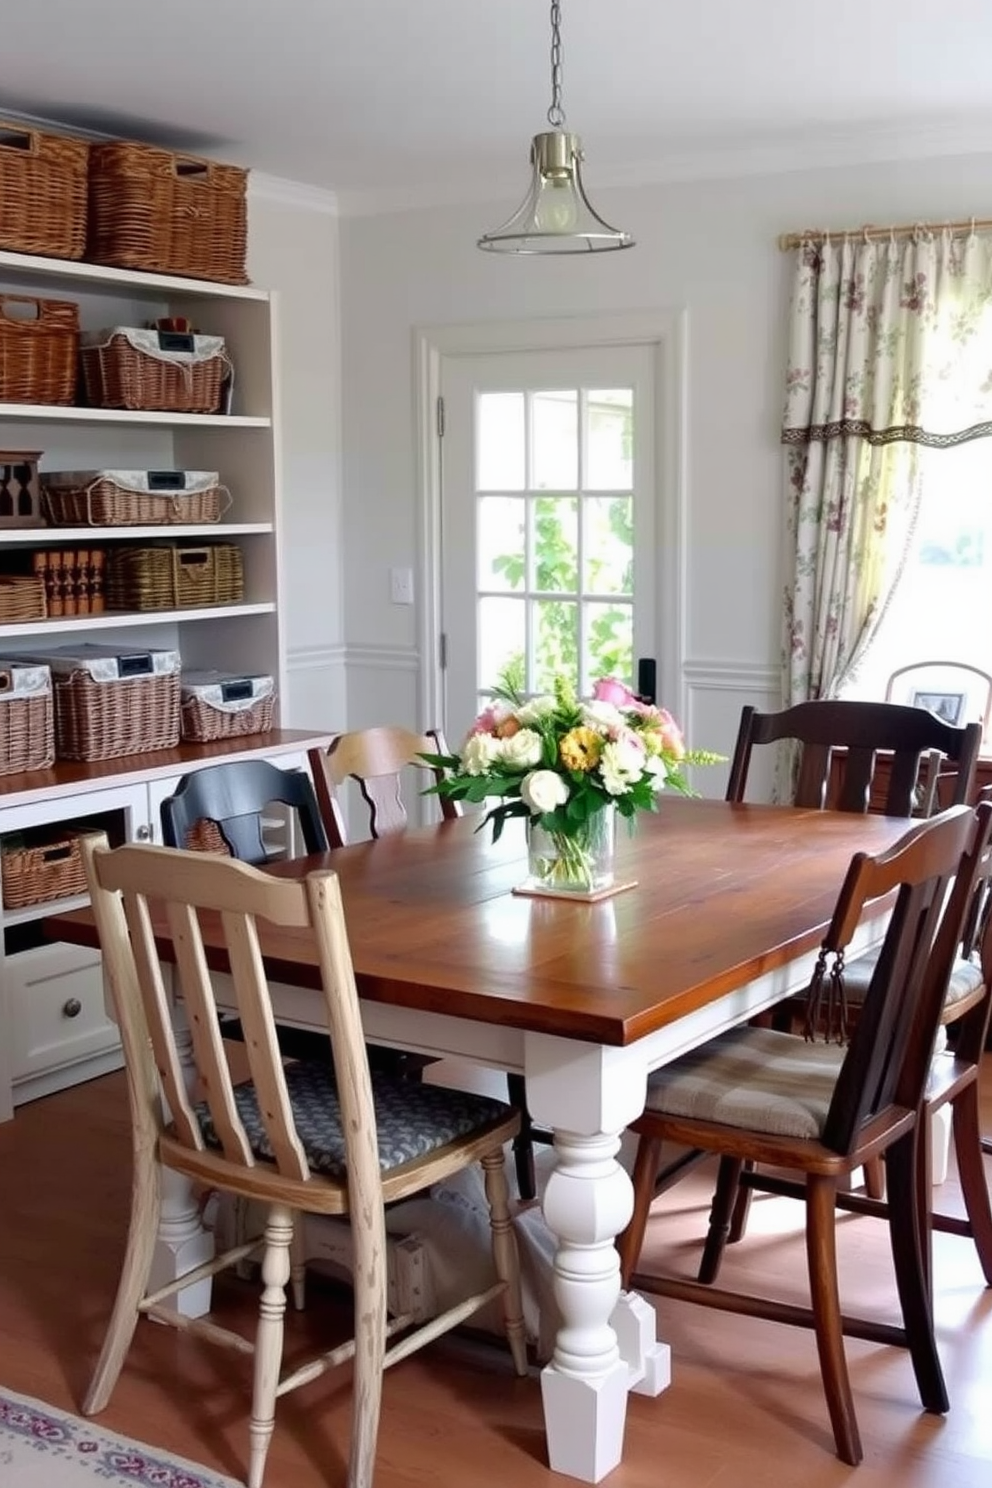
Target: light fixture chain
(556, 114)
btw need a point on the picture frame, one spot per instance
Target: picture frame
(948, 706)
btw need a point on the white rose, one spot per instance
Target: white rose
(603, 717)
(521, 751)
(477, 754)
(536, 709)
(543, 790)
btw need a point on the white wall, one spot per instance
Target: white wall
(293, 250)
(709, 247)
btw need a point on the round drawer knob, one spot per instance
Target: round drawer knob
(144, 834)
(72, 1008)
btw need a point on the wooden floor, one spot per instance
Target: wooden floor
(745, 1409)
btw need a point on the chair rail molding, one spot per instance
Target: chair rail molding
(732, 676)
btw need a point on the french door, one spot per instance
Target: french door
(548, 521)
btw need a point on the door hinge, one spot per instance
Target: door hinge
(440, 417)
(442, 651)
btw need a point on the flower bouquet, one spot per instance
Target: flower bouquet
(568, 765)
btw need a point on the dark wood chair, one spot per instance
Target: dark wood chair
(233, 798)
(376, 759)
(818, 1111)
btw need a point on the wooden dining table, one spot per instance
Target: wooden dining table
(727, 908)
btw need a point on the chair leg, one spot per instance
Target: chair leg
(874, 1171)
(268, 1338)
(505, 1257)
(630, 1241)
(725, 1199)
(523, 1145)
(146, 1209)
(742, 1207)
(821, 1253)
(368, 1230)
(298, 1261)
(968, 1148)
(902, 1168)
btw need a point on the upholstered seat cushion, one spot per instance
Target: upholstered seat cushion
(752, 1078)
(966, 977)
(412, 1119)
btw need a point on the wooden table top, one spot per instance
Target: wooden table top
(724, 894)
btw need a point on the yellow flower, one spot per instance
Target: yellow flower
(580, 749)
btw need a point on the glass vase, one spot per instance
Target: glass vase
(576, 863)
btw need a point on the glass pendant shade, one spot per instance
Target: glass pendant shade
(556, 216)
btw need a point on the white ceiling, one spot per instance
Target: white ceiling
(386, 100)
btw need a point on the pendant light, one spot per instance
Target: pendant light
(556, 216)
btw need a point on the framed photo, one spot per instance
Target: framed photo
(948, 706)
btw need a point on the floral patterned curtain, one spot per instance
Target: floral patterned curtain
(890, 349)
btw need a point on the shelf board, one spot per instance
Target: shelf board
(148, 286)
(54, 414)
(31, 912)
(37, 630)
(32, 536)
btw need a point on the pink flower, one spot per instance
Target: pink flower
(492, 720)
(671, 734)
(612, 690)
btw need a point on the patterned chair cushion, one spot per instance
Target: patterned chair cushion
(752, 1078)
(966, 977)
(412, 1119)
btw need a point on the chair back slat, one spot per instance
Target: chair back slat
(217, 1087)
(375, 759)
(890, 1050)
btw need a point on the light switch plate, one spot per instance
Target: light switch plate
(401, 586)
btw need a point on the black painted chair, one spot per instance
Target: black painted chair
(233, 798)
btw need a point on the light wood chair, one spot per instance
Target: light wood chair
(819, 1111)
(376, 760)
(298, 1137)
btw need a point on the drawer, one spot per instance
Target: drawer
(57, 1013)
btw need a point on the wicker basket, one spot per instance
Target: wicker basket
(170, 577)
(22, 597)
(41, 865)
(168, 214)
(39, 348)
(110, 703)
(27, 731)
(42, 192)
(217, 705)
(133, 498)
(169, 371)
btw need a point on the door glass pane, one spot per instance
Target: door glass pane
(555, 642)
(501, 536)
(555, 440)
(555, 541)
(502, 637)
(609, 439)
(608, 544)
(608, 642)
(500, 442)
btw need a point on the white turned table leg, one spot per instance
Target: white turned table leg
(182, 1240)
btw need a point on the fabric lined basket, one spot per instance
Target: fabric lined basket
(27, 731)
(42, 192)
(134, 498)
(165, 213)
(110, 702)
(221, 705)
(40, 865)
(141, 369)
(39, 348)
(171, 577)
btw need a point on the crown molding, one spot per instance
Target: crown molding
(280, 191)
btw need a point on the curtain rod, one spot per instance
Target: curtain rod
(906, 229)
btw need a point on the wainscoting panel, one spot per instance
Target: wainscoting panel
(715, 693)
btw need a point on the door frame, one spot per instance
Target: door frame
(666, 331)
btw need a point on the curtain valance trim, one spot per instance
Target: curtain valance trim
(860, 429)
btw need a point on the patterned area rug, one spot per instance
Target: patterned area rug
(41, 1447)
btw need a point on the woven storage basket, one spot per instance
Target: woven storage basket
(110, 703)
(42, 192)
(35, 871)
(22, 597)
(218, 705)
(134, 498)
(166, 213)
(170, 577)
(39, 349)
(27, 732)
(170, 371)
